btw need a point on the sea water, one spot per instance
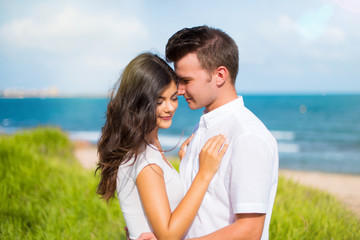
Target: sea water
(314, 132)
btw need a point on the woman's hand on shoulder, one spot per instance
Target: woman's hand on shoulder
(211, 155)
(184, 146)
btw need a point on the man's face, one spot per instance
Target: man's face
(195, 83)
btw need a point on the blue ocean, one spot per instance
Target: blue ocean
(314, 132)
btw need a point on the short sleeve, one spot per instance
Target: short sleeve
(250, 174)
(150, 156)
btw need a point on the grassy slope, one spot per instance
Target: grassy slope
(45, 194)
(304, 213)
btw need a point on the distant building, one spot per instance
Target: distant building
(29, 93)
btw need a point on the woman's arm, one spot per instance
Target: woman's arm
(151, 187)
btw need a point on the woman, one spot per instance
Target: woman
(131, 158)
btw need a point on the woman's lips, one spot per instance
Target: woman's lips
(166, 118)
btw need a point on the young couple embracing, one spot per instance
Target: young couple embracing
(229, 165)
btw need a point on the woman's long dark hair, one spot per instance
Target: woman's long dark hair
(130, 117)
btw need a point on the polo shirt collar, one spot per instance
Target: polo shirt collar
(215, 117)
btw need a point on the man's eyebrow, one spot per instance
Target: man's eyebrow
(184, 78)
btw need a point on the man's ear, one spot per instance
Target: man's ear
(222, 75)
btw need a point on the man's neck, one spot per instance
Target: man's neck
(221, 100)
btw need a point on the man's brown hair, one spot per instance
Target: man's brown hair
(214, 48)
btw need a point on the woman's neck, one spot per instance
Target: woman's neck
(153, 138)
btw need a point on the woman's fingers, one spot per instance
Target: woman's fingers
(208, 143)
(223, 150)
(188, 140)
(186, 143)
(183, 147)
(214, 140)
(220, 142)
(214, 144)
(211, 155)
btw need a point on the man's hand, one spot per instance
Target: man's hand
(147, 236)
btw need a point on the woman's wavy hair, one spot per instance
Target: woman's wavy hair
(130, 117)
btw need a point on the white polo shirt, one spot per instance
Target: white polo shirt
(247, 178)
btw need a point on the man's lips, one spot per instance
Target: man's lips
(188, 99)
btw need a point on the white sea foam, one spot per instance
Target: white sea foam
(9, 130)
(283, 135)
(167, 141)
(170, 141)
(288, 148)
(91, 136)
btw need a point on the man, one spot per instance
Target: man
(238, 203)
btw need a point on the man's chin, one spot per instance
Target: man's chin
(193, 106)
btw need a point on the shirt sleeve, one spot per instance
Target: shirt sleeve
(250, 174)
(151, 156)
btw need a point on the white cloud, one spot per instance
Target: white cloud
(75, 48)
(83, 46)
(349, 5)
(334, 35)
(327, 35)
(71, 30)
(289, 37)
(313, 23)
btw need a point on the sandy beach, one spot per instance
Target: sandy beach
(86, 154)
(345, 188)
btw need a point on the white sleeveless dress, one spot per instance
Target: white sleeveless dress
(128, 195)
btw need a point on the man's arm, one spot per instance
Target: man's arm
(250, 185)
(247, 226)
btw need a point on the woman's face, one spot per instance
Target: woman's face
(167, 104)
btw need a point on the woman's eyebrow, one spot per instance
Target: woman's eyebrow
(175, 93)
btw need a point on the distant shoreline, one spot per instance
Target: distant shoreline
(54, 97)
(65, 96)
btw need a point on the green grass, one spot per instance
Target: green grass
(46, 194)
(304, 213)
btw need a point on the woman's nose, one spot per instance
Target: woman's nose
(169, 107)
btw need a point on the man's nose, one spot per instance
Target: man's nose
(181, 89)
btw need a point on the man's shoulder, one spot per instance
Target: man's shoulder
(244, 121)
(244, 125)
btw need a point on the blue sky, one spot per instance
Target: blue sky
(81, 47)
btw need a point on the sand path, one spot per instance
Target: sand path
(86, 154)
(345, 187)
